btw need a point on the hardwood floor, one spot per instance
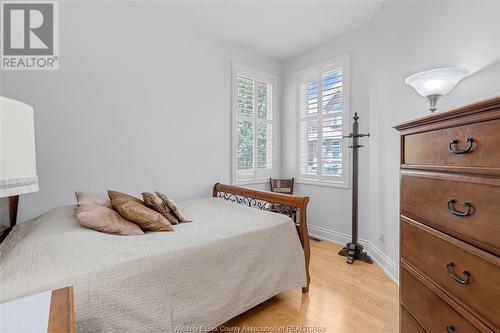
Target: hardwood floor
(342, 299)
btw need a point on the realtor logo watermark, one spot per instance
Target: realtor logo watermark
(29, 36)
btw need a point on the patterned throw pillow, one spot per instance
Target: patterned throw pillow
(153, 201)
(173, 207)
(133, 209)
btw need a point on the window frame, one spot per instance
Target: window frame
(263, 175)
(343, 62)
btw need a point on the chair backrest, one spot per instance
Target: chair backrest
(284, 186)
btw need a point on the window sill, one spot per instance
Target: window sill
(323, 184)
(250, 182)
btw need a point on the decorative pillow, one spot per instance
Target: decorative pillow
(133, 209)
(173, 207)
(83, 198)
(122, 196)
(100, 218)
(153, 201)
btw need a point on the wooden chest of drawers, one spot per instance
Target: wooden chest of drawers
(450, 221)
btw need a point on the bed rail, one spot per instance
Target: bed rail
(261, 200)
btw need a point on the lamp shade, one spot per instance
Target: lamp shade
(436, 81)
(17, 148)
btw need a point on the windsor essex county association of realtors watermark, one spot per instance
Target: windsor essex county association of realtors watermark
(29, 36)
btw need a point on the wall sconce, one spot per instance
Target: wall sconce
(435, 83)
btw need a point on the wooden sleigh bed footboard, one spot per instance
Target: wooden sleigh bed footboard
(263, 200)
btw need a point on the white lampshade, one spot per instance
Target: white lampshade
(17, 148)
(435, 83)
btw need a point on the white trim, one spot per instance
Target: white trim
(390, 268)
(252, 71)
(330, 235)
(258, 175)
(250, 182)
(342, 61)
(323, 183)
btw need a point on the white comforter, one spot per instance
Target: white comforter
(228, 260)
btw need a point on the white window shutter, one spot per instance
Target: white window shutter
(321, 117)
(244, 126)
(252, 125)
(309, 148)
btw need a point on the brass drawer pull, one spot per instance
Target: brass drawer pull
(450, 328)
(455, 278)
(460, 151)
(452, 210)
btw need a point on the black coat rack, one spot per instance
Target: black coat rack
(354, 250)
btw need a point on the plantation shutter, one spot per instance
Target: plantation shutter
(321, 124)
(253, 99)
(245, 126)
(309, 135)
(332, 101)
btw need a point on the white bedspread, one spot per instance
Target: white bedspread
(204, 273)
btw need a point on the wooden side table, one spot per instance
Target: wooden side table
(61, 315)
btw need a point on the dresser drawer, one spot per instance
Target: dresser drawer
(438, 200)
(437, 150)
(443, 260)
(408, 323)
(425, 304)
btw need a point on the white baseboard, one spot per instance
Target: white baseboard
(327, 234)
(390, 267)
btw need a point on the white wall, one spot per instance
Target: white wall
(462, 34)
(139, 103)
(402, 38)
(325, 201)
(112, 116)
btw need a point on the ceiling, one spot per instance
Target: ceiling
(280, 29)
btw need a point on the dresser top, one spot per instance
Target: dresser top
(483, 106)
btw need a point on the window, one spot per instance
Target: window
(322, 115)
(252, 124)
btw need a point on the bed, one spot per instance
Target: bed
(231, 258)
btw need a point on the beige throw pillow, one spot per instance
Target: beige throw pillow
(133, 209)
(153, 201)
(100, 218)
(83, 198)
(173, 207)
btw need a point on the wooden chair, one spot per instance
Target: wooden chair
(284, 186)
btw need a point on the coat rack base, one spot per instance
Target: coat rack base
(354, 251)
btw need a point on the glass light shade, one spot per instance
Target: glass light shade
(436, 81)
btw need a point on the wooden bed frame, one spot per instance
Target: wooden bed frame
(262, 200)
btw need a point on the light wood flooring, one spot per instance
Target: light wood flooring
(342, 299)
